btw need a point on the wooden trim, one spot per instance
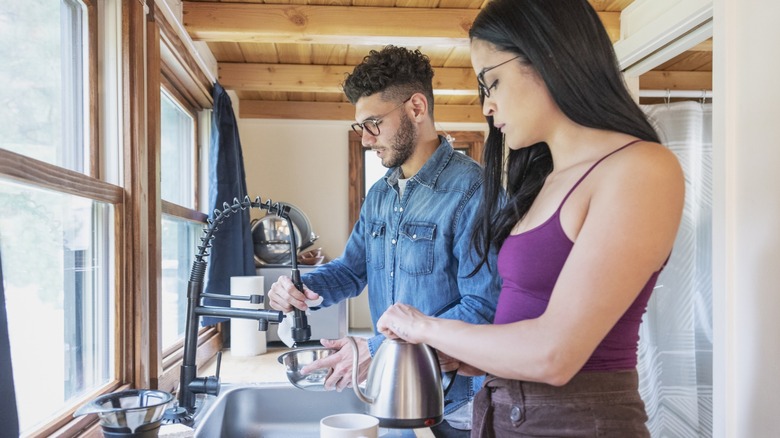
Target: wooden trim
(136, 160)
(357, 179)
(94, 98)
(191, 107)
(472, 141)
(326, 78)
(676, 80)
(176, 88)
(183, 212)
(179, 63)
(287, 23)
(67, 426)
(209, 343)
(271, 109)
(49, 176)
(121, 324)
(154, 144)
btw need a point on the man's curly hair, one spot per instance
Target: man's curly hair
(396, 72)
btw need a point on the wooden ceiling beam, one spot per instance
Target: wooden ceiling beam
(265, 109)
(325, 78)
(676, 80)
(403, 26)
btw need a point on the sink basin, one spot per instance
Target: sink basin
(271, 410)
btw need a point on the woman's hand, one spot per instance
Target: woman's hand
(405, 322)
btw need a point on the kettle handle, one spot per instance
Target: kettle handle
(450, 374)
(358, 392)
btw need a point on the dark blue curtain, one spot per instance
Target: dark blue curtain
(232, 252)
(9, 421)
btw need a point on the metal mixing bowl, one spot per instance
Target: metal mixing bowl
(295, 360)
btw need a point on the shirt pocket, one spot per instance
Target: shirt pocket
(415, 248)
(375, 245)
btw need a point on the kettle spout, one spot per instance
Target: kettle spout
(364, 398)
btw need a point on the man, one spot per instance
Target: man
(411, 243)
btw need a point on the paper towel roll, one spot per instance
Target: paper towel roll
(245, 338)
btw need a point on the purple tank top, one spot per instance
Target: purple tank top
(529, 264)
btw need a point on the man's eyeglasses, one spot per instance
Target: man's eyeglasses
(484, 90)
(372, 125)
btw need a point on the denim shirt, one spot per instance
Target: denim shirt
(416, 249)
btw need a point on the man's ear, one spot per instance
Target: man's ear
(419, 106)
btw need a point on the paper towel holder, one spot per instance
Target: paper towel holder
(189, 383)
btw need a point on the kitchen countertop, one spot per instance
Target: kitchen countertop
(263, 368)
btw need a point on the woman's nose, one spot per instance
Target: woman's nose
(488, 108)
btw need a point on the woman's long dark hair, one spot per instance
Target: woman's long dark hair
(566, 43)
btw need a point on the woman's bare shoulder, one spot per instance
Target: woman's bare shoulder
(646, 162)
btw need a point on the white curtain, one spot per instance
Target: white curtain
(675, 347)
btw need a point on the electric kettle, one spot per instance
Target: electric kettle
(403, 388)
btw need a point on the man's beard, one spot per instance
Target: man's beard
(403, 143)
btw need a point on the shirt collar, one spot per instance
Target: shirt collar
(432, 168)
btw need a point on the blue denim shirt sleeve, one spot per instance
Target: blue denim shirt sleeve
(344, 277)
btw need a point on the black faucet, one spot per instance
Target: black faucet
(189, 383)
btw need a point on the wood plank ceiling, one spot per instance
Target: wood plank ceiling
(287, 58)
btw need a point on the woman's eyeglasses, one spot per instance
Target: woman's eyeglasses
(372, 125)
(484, 90)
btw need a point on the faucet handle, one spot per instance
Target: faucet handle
(207, 385)
(219, 364)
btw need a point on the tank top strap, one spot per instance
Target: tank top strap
(593, 167)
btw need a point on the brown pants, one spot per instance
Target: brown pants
(592, 404)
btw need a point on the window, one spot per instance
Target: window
(179, 241)
(179, 236)
(182, 223)
(60, 232)
(177, 162)
(82, 223)
(45, 93)
(58, 277)
(182, 110)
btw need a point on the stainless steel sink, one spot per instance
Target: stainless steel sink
(271, 410)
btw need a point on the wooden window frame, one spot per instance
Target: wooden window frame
(471, 142)
(137, 202)
(180, 75)
(91, 186)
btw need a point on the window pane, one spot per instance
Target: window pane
(179, 239)
(177, 154)
(58, 286)
(42, 100)
(373, 169)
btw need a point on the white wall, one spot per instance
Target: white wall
(746, 219)
(303, 163)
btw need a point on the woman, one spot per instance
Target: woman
(592, 209)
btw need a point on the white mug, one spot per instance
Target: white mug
(349, 426)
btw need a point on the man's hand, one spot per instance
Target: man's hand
(340, 363)
(447, 363)
(284, 296)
